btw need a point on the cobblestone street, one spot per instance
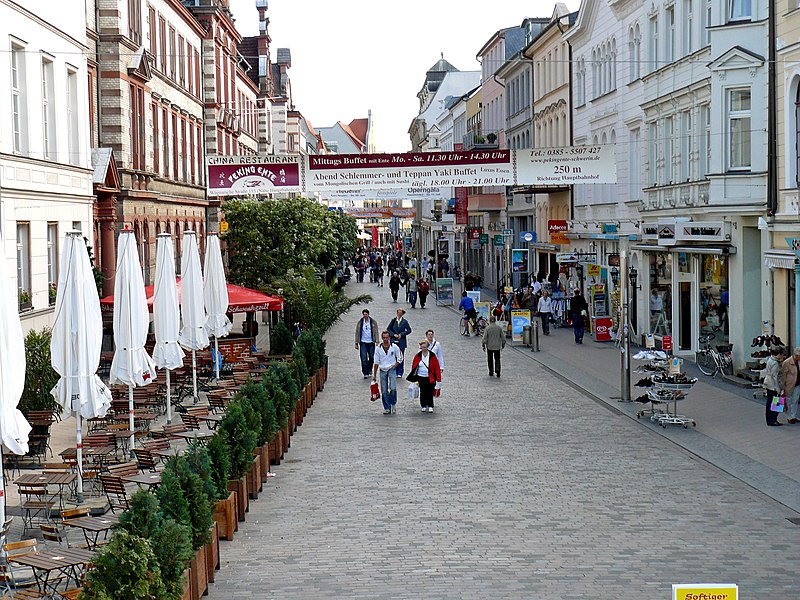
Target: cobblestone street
(516, 487)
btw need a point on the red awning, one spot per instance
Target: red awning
(240, 299)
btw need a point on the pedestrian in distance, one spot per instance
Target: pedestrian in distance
(399, 329)
(387, 358)
(379, 275)
(494, 340)
(423, 289)
(436, 347)
(578, 310)
(545, 309)
(468, 306)
(772, 382)
(790, 370)
(426, 372)
(394, 285)
(412, 290)
(366, 337)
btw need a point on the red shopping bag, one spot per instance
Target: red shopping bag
(374, 391)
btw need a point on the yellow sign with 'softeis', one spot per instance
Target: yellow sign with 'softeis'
(705, 591)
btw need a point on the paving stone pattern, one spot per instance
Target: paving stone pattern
(516, 487)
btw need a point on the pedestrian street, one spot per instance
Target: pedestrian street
(517, 487)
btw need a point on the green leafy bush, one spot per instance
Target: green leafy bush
(281, 340)
(125, 569)
(40, 377)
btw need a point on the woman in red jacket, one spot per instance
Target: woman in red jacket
(426, 372)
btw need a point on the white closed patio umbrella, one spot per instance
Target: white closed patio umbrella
(131, 365)
(193, 335)
(215, 294)
(14, 429)
(76, 342)
(167, 353)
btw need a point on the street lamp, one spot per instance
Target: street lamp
(633, 276)
(614, 275)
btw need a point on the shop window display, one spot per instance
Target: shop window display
(660, 299)
(714, 296)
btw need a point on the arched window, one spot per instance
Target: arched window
(613, 64)
(637, 55)
(595, 80)
(797, 136)
(557, 133)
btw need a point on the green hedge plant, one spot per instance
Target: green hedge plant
(281, 340)
(240, 438)
(219, 454)
(201, 512)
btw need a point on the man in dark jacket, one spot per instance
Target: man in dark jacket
(578, 309)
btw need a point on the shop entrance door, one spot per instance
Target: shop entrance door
(685, 305)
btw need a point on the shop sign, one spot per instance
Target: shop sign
(223, 226)
(519, 260)
(558, 238)
(613, 260)
(609, 228)
(474, 233)
(705, 591)
(474, 245)
(666, 234)
(649, 231)
(702, 231)
(593, 270)
(566, 257)
(794, 244)
(462, 210)
(483, 238)
(666, 343)
(527, 236)
(557, 225)
(499, 240)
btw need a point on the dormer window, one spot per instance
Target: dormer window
(740, 10)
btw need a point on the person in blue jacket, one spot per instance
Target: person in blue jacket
(468, 306)
(398, 330)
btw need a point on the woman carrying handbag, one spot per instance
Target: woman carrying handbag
(426, 372)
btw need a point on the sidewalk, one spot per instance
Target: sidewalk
(731, 432)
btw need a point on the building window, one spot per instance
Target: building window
(175, 146)
(635, 165)
(152, 27)
(706, 24)
(19, 100)
(670, 50)
(738, 134)
(184, 162)
(181, 61)
(156, 139)
(73, 119)
(138, 127)
(739, 10)
(669, 148)
(48, 111)
(172, 52)
(162, 36)
(166, 139)
(705, 141)
(686, 146)
(652, 154)
(688, 20)
(24, 264)
(653, 49)
(797, 137)
(135, 21)
(52, 261)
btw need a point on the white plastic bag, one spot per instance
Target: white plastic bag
(413, 391)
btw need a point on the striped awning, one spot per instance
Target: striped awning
(779, 259)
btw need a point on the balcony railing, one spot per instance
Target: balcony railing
(482, 140)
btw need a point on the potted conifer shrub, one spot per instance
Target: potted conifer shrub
(281, 341)
(199, 461)
(225, 508)
(241, 442)
(249, 404)
(300, 373)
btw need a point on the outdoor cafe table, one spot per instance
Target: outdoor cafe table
(69, 562)
(92, 527)
(149, 479)
(56, 479)
(195, 436)
(96, 454)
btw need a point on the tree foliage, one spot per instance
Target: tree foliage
(314, 303)
(268, 238)
(40, 377)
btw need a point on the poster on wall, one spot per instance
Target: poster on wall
(443, 247)
(483, 309)
(519, 319)
(444, 291)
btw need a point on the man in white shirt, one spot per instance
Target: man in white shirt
(387, 357)
(435, 347)
(366, 338)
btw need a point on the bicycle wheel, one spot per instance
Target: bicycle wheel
(727, 365)
(705, 362)
(463, 327)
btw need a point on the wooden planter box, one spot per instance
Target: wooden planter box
(285, 440)
(263, 454)
(307, 397)
(242, 503)
(199, 575)
(276, 449)
(212, 554)
(226, 516)
(187, 585)
(254, 478)
(292, 422)
(320, 379)
(313, 387)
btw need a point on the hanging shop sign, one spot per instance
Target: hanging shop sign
(705, 591)
(566, 166)
(474, 245)
(347, 196)
(593, 270)
(794, 244)
(254, 175)
(344, 173)
(557, 229)
(499, 240)
(462, 206)
(483, 238)
(702, 231)
(566, 257)
(519, 260)
(528, 237)
(443, 246)
(649, 231)
(666, 234)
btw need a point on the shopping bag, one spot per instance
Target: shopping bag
(413, 391)
(374, 391)
(778, 404)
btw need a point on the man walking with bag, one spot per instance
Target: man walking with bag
(578, 309)
(387, 358)
(494, 340)
(366, 338)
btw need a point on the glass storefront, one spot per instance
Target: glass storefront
(660, 300)
(714, 296)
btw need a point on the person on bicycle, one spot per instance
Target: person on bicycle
(468, 306)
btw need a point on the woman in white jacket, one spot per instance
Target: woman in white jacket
(772, 382)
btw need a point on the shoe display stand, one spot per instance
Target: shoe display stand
(663, 392)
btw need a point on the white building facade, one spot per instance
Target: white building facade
(45, 148)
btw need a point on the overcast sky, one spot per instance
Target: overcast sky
(350, 56)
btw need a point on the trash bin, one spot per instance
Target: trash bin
(526, 335)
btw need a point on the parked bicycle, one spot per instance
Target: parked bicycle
(465, 326)
(714, 358)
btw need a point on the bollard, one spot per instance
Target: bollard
(535, 337)
(526, 335)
